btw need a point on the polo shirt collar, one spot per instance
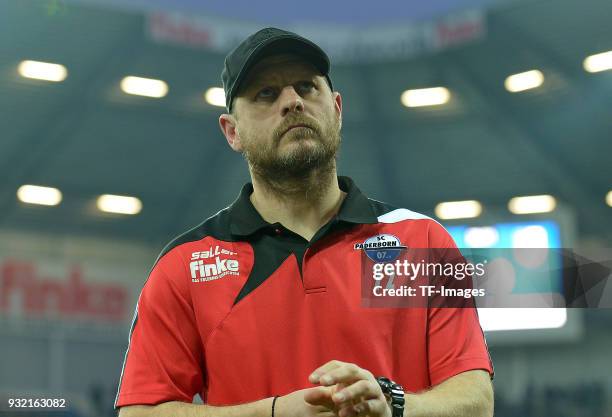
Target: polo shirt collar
(245, 220)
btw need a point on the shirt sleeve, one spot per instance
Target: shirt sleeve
(164, 359)
(455, 340)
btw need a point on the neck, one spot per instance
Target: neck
(302, 205)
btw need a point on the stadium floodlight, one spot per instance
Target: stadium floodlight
(36, 194)
(532, 204)
(598, 62)
(609, 198)
(524, 81)
(42, 71)
(119, 204)
(434, 96)
(215, 96)
(147, 87)
(458, 209)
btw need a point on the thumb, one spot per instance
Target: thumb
(319, 396)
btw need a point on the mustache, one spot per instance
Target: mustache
(296, 120)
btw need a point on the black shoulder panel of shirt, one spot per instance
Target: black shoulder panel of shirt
(381, 208)
(216, 226)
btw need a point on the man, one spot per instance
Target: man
(258, 310)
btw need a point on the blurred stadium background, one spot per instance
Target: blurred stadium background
(72, 262)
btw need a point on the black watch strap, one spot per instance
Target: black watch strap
(395, 392)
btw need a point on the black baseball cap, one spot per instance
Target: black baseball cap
(266, 42)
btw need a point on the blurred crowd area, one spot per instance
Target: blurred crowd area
(582, 400)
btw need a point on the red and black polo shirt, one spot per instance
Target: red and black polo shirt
(238, 309)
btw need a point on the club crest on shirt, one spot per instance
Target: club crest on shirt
(381, 248)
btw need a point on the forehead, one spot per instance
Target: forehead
(279, 66)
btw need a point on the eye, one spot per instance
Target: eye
(305, 87)
(266, 93)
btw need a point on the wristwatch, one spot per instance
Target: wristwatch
(394, 392)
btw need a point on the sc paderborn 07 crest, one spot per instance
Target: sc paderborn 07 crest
(382, 248)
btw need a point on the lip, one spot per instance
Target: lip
(294, 126)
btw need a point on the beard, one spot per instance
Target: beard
(293, 157)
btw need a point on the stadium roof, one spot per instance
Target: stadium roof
(86, 137)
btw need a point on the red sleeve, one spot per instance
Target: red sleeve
(455, 343)
(455, 340)
(164, 360)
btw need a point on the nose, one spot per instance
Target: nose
(291, 101)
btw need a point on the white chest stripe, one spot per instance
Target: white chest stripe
(401, 214)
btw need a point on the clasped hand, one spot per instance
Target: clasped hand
(345, 390)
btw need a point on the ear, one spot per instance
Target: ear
(338, 105)
(227, 123)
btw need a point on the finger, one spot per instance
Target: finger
(334, 389)
(338, 387)
(365, 408)
(347, 409)
(362, 389)
(321, 396)
(372, 408)
(346, 373)
(316, 374)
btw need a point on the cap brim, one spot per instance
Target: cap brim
(282, 45)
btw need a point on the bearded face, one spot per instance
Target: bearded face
(287, 120)
(299, 146)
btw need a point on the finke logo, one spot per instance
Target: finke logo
(212, 269)
(72, 297)
(381, 248)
